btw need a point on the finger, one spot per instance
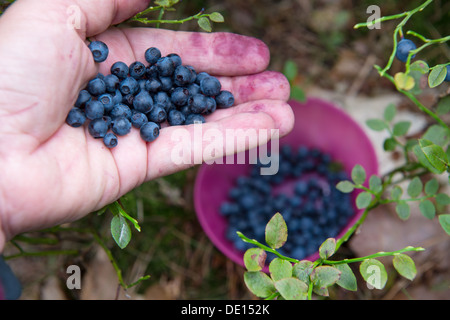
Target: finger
(220, 53)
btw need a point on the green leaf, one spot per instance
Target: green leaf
(292, 289)
(375, 184)
(404, 81)
(204, 23)
(403, 210)
(427, 208)
(443, 199)
(325, 276)
(421, 157)
(443, 106)
(415, 187)
(431, 187)
(280, 269)
(437, 75)
(444, 220)
(435, 154)
(401, 128)
(405, 266)
(358, 174)
(120, 231)
(216, 17)
(259, 283)
(302, 270)
(327, 248)
(298, 94)
(290, 70)
(363, 200)
(376, 124)
(389, 144)
(345, 186)
(254, 259)
(389, 112)
(419, 65)
(347, 280)
(396, 193)
(437, 135)
(374, 272)
(276, 231)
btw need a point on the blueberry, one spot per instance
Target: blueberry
(176, 118)
(83, 97)
(162, 98)
(121, 126)
(152, 71)
(117, 97)
(165, 67)
(137, 70)
(138, 119)
(153, 85)
(99, 51)
(158, 114)
(403, 48)
(175, 58)
(201, 76)
(152, 55)
(149, 131)
(447, 77)
(76, 117)
(180, 96)
(182, 76)
(198, 104)
(107, 100)
(143, 102)
(111, 83)
(96, 87)
(129, 86)
(194, 118)
(128, 99)
(193, 89)
(120, 110)
(211, 105)
(98, 128)
(166, 83)
(224, 99)
(94, 109)
(120, 70)
(110, 140)
(210, 86)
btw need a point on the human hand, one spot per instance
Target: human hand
(53, 173)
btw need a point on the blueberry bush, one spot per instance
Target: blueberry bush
(297, 278)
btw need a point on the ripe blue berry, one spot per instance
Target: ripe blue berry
(83, 97)
(110, 140)
(107, 100)
(120, 110)
(403, 48)
(96, 87)
(175, 58)
(121, 126)
(99, 51)
(149, 131)
(98, 128)
(180, 96)
(158, 114)
(176, 118)
(224, 99)
(129, 86)
(210, 86)
(137, 70)
(120, 70)
(76, 117)
(199, 104)
(447, 77)
(111, 83)
(153, 85)
(165, 67)
(143, 102)
(182, 76)
(94, 109)
(152, 55)
(138, 119)
(194, 118)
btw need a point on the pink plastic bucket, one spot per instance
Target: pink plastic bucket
(318, 123)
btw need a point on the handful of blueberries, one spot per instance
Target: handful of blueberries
(144, 96)
(303, 192)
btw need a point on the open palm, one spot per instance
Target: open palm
(52, 173)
